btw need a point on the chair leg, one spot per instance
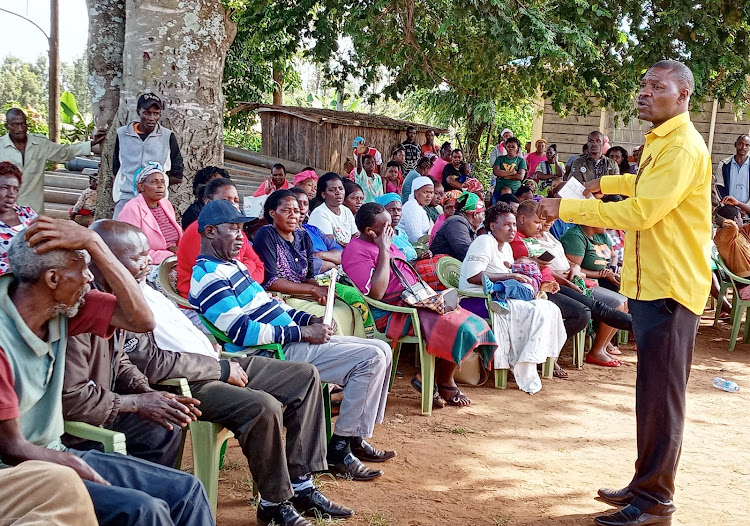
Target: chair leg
(428, 378)
(327, 409)
(719, 303)
(207, 439)
(746, 334)
(396, 356)
(501, 378)
(579, 348)
(622, 337)
(736, 322)
(548, 368)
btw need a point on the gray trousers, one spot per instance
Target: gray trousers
(278, 394)
(362, 367)
(119, 205)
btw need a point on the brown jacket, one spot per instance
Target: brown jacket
(733, 244)
(98, 371)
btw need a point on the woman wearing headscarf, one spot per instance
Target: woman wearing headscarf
(307, 179)
(152, 212)
(449, 208)
(13, 218)
(415, 220)
(459, 230)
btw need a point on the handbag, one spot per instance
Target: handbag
(420, 294)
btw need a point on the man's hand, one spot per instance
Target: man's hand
(80, 466)
(166, 409)
(319, 293)
(319, 319)
(237, 375)
(593, 187)
(425, 255)
(549, 208)
(731, 201)
(45, 234)
(384, 240)
(99, 137)
(317, 333)
(610, 276)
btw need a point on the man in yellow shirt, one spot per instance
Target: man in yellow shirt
(666, 276)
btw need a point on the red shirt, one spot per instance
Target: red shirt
(189, 249)
(521, 251)
(93, 317)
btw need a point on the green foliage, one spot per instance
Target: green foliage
(74, 78)
(23, 82)
(74, 126)
(37, 123)
(240, 137)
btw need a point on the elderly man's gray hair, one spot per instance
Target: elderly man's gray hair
(27, 266)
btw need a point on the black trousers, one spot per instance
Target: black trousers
(575, 314)
(665, 332)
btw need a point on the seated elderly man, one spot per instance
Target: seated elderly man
(227, 296)
(45, 300)
(246, 395)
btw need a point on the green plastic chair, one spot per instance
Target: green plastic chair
(724, 285)
(449, 272)
(739, 306)
(113, 441)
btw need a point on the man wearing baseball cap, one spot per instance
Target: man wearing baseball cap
(140, 142)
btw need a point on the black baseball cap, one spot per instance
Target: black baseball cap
(147, 100)
(219, 212)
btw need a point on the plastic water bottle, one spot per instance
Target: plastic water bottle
(726, 385)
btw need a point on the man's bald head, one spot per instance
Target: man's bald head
(679, 71)
(129, 245)
(116, 234)
(14, 112)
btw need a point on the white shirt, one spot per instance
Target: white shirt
(739, 180)
(554, 247)
(174, 331)
(414, 220)
(342, 227)
(484, 256)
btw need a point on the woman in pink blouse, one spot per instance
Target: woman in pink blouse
(13, 218)
(152, 212)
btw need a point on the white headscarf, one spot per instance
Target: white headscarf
(418, 183)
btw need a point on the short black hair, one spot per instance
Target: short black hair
(366, 215)
(496, 210)
(457, 150)
(680, 71)
(213, 187)
(727, 212)
(522, 190)
(277, 166)
(408, 128)
(367, 156)
(297, 190)
(528, 207)
(203, 175)
(392, 163)
(508, 198)
(273, 202)
(513, 140)
(446, 146)
(323, 183)
(423, 162)
(350, 187)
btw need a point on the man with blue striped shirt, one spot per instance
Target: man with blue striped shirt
(223, 291)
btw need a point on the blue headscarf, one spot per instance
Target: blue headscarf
(387, 199)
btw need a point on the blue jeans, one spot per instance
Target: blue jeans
(145, 494)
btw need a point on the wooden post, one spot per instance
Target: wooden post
(537, 124)
(712, 126)
(278, 92)
(54, 71)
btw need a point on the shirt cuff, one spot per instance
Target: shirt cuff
(570, 210)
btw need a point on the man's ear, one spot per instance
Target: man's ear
(210, 231)
(370, 232)
(51, 278)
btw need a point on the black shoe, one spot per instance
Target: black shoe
(616, 497)
(632, 516)
(352, 468)
(366, 453)
(315, 504)
(282, 515)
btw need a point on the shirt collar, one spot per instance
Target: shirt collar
(734, 161)
(39, 346)
(669, 126)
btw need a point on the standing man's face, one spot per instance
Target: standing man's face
(742, 146)
(411, 135)
(17, 126)
(149, 118)
(429, 136)
(595, 145)
(661, 96)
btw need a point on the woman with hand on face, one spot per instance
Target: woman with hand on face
(152, 212)
(13, 218)
(287, 253)
(414, 219)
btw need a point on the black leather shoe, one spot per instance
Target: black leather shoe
(282, 515)
(632, 516)
(353, 469)
(366, 453)
(315, 504)
(616, 497)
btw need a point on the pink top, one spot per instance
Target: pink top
(532, 160)
(267, 188)
(436, 172)
(137, 213)
(438, 223)
(359, 260)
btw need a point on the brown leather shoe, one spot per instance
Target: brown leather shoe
(351, 468)
(367, 453)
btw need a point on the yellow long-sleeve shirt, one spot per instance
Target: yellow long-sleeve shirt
(667, 218)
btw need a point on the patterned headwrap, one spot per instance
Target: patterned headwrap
(470, 202)
(450, 195)
(473, 185)
(385, 200)
(142, 173)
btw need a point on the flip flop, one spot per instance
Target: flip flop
(437, 401)
(611, 363)
(458, 399)
(560, 373)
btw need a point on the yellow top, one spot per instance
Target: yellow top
(667, 218)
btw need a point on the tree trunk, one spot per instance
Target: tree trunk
(278, 89)
(106, 41)
(54, 71)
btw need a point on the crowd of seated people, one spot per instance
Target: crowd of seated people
(384, 227)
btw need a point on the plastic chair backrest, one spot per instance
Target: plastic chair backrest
(166, 267)
(449, 271)
(723, 269)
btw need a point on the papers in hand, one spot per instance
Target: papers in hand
(572, 189)
(328, 316)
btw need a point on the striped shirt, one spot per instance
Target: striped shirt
(228, 297)
(170, 233)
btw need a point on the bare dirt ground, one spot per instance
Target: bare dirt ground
(513, 459)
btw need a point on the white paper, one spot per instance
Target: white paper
(328, 316)
(572, 189)
(253, 206)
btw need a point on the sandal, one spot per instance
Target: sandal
(437, 401)
(560, 373)
(458, 399)
(594, 361)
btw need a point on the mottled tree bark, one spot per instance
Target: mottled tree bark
(176, 49)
